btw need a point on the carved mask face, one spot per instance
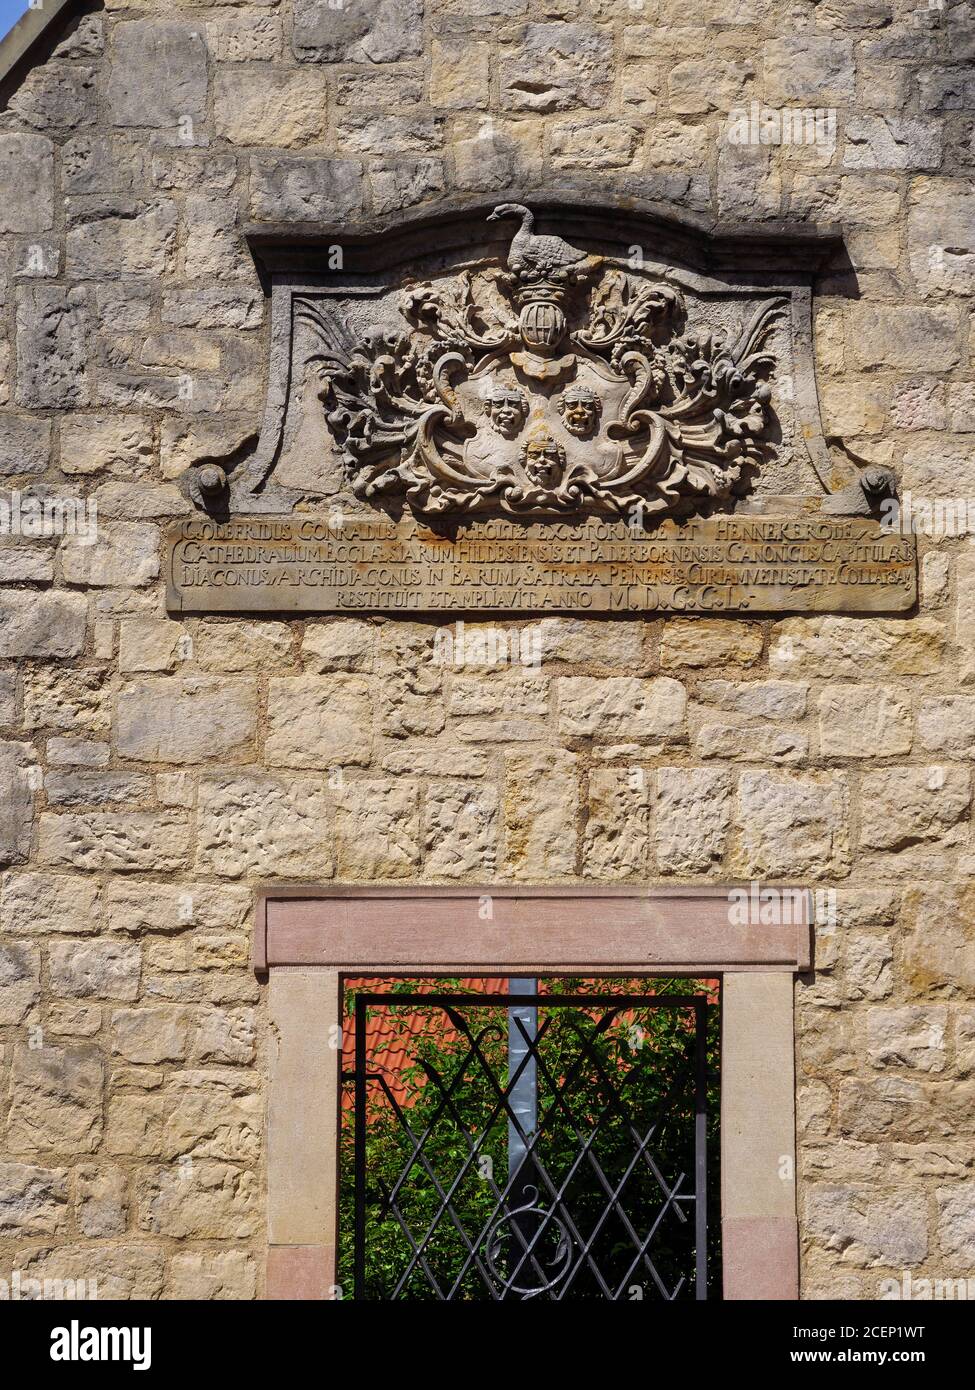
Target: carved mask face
(580, 412)
(543, 460)
(506, 411)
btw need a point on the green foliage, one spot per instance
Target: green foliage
(448, 1136)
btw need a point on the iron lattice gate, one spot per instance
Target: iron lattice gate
(555, 1147)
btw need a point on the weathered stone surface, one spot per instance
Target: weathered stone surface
(907, 337)
(74, 701)
(946, 724)
(96, 788)
(208, 1201)
(55, 1099)
(808, 70)
(619, 643)
(263, 825)
(122, 239)
(213, 1115)
(8, 698)
(539, 813)
(20, 980)
(316, 721)
(124, 843)
(238, 647)
(868, 1229)
(110, 1272)
(186, 719)
(868, 967)
(706, 641)
(33, 1201)
(159, 74)
(224, 1274)
(26, 183)
(617, 838)
(16, 803)
(956, 1223)
(151, 1034)
(125, 553)
(40, 903)
(24, 444)
(41, 625)
(378, 31)
(855, 648)
(376, 829)
(460, 827)
(225, 1036)
(100, 1201)
(692, 812)
(865, 721)
(747, 742)
(620, 707)
(52, 346)
(939, 949)
(400, 183)
(168, 907)
(283, 108)
(905, 805)
(345, 645)
(105, 969)
(304, 190)
(556, 67)
(757, 699)
(911, 1037)
(939, 234)
(891, 142)
(790, 824)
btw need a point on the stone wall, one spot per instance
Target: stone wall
(154, 773)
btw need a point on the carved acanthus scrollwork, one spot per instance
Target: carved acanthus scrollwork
(563, 386)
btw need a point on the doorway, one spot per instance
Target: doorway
(515, 1139)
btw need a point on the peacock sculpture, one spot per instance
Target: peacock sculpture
(531, 256)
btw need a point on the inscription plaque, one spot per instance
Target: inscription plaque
(374, 564)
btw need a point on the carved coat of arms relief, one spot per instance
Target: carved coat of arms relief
(571, 387)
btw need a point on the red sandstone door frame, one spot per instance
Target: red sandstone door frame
(307, 940)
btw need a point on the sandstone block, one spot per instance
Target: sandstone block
(911, 1037)
(16, 803)
(316, 721)
(25, 443)
(539, 811)
(264, 825)
(864, 721)
(33, 1201)
(790, 824)
(20, 980)
(210, 1201)
(159, 74)
(52, 346)
(55, 1099)
(41, 625)
(956, 1223)
(617, 839)
(304, 190)
(904, 805)
(282, 108)
(380, 31)
(123, 843)
(692, 812)
(556, 67)
(26, 183)
(100, 1201)
(460, 827)
(620, 707)
(187, 719)
(104, 969)
(857, 648)
(224, 1274)
(869, 1229)
(377, 829)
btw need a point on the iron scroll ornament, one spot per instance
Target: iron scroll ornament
(571, 387)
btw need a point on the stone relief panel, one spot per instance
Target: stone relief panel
(522, 414)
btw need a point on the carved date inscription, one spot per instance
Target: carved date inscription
(371, 564)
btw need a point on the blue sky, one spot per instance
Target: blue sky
(10, 12)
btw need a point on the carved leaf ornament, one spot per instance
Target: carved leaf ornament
(584, 393)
